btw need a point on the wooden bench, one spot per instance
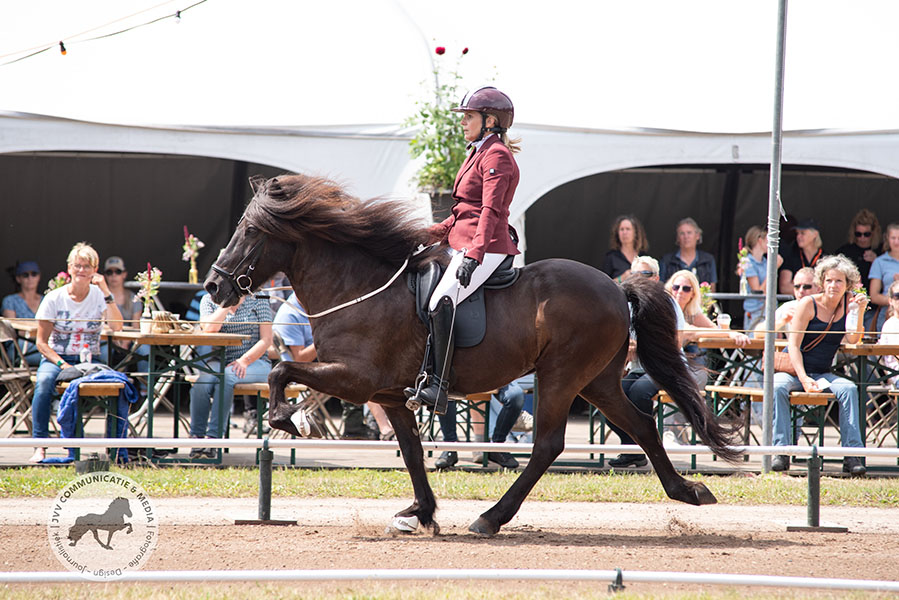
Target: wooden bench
(730, 393)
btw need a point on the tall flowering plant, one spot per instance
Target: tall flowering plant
(149, 281)
(742, 255)
(191, 247)
(60, 280)
(439, 139)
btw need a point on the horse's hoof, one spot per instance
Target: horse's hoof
(402, 524)
(696, 493)
(483, 528)
(284, 424)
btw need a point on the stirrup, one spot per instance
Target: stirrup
(413, 394)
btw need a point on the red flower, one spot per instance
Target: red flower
(465, 50)
(440, 50)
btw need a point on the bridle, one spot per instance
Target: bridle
(244, 281)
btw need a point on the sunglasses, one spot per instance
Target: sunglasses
(114, 271)
(803, 286)
(685, 288)
(645, 273)
(30, 274)
(862, 234)
(895, 295)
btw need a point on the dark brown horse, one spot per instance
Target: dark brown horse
(566, 321)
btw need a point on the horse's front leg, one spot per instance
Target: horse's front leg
(334, 379)
(406, 429)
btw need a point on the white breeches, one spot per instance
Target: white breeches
(449, 285)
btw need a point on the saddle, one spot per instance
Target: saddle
(471, 314)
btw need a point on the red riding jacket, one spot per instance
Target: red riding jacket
(483, 191)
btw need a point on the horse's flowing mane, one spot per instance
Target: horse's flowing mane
(290, 207)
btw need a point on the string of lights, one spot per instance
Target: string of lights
(36, 50)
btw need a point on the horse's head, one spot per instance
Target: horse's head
(249, 259)
(121, 506)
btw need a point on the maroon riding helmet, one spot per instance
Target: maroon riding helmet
(489, 101)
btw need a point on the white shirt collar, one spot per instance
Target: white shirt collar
(477, 145)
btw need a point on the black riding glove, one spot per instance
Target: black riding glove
(465, 270)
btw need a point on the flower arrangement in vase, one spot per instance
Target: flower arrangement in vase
(742, 265)
(708, 303)
(191, 247)
(60, 280)
(149, 286)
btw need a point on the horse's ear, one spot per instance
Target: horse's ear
(256, 183)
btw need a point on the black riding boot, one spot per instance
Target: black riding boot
(442, 344)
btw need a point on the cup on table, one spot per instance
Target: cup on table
(723, 321)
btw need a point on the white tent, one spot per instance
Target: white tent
(325, 87)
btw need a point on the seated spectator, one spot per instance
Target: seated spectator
(295, 331)
(129, 306)
(890, 334)
(24, 303)
(864, 237)
(627, 241)
(246, 363)
(511, 396)
(69, 321)
(756, 271)
(689, 257)
(884, 271)
(816, 332)
(804, 252)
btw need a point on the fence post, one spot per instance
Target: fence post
(814, 488)
(266, 457)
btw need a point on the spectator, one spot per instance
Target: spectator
(756, 271)
(295, 331)
(689, 257)
(69, 320)
(115, 272)
(627, 241)
(884, 271)
(890, 335)
(804, 252)
(864, 237)
(816, 332)
(24, 303)
(246, 363)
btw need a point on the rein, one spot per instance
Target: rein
(360, 298)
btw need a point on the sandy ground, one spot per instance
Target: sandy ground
(198, 533)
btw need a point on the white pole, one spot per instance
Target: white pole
(774, 213)
(461, 574)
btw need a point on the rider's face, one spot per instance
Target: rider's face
(471, 125)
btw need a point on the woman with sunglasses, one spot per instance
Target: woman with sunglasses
(23, 304)
(116, 274)
(890, 333)
(69, 319)
(864, 237)
(884, 271)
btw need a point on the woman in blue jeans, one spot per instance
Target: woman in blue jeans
(812, 355)
(69, 322)
(247, 363)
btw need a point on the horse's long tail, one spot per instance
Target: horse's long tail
(654, 321)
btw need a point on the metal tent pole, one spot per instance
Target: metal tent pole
(774, 213)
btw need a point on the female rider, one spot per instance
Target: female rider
(478, 230)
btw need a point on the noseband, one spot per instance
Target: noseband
(244, 281)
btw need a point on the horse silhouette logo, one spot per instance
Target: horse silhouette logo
(111, 521)
(116, 511)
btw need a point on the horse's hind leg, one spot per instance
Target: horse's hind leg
(406, 430)
(552, 417)
(605, 393)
